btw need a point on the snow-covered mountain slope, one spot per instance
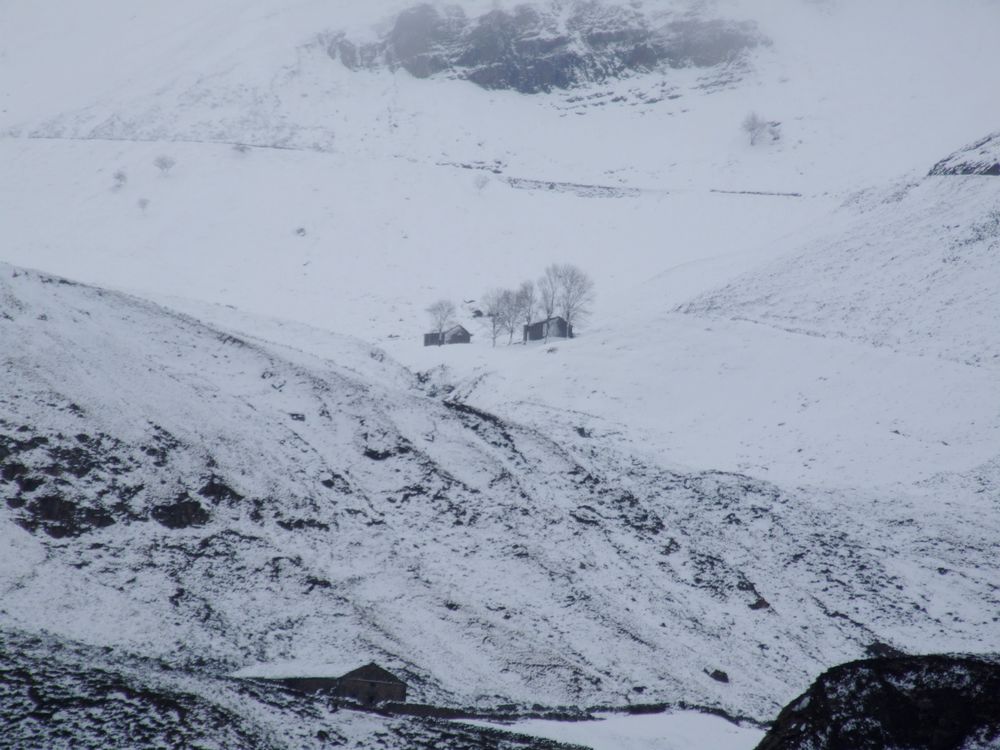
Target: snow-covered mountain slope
(351, 245)
(181, 493)
(982, 157)
(385, 204)
(721, 473)
(916, 270)
(793, 409)
(851, 82)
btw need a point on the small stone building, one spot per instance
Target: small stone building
(368, 685)
(371, 684)
(454, 335)
(555, 327)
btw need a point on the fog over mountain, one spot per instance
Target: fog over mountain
(533, 49)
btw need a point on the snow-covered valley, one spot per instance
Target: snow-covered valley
(773, 447)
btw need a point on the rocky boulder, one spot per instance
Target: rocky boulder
(931, 702)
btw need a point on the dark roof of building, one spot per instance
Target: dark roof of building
(372, 672)
(547, 320)
(453, 329)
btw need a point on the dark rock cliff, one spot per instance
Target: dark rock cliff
(931, 702)
(539, 48)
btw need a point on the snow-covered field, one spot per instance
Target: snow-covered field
(668, 731)
(787, 392)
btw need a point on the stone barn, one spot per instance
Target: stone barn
(552, 328)
(371, 684)
(454, 335)
(368, 685)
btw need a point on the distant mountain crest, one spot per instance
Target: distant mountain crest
(532, 49)
(982, 157)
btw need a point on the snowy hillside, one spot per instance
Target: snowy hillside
(773, 447)
(916, 270)
(202, 498)
(396, 177)
(856, 103)
(981, 157)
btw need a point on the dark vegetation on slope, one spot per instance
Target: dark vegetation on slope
(66, 486)
(54, 694)
(532, 49)
(59, 694)
(931, 702)
(222, 557)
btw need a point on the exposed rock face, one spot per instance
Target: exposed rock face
(181, 514)
(933, 702)
(982, 157)
(533, 49)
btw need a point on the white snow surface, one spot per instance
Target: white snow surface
(914, 271)
(792, 364)
(683, 730)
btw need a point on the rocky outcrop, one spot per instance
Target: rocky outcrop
(933, 702)
(981, 157)
(539, 48)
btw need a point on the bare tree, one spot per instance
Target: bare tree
(164, 163)
(548, 294)
(528, 299)
(120, 178)
(756, 127)
(143, 204)
(442, 313)
(575, 294)
(513, 312)
(493, 313)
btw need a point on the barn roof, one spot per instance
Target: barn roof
(450, 330)
(374, 672)
(280, 670)
(547, 320)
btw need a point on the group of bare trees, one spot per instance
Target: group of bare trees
(563, 290)
(506, 310)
